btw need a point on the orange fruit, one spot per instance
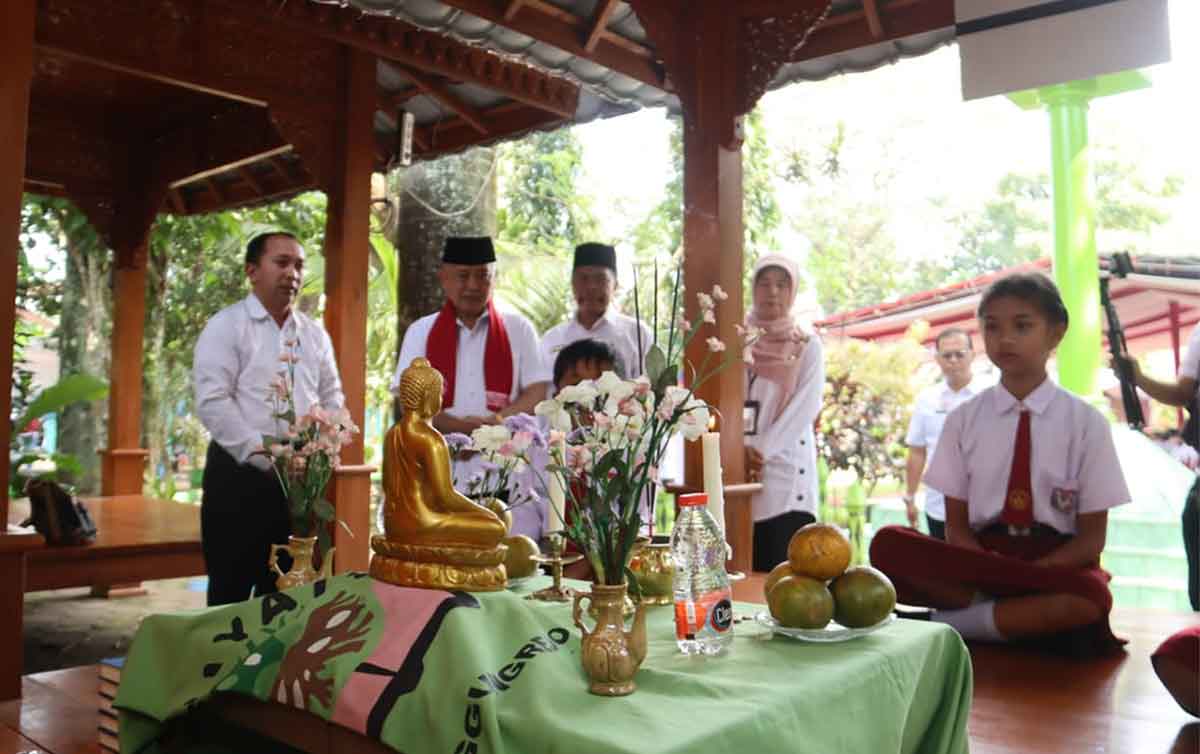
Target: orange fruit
(518, 561)
(862, 597)
(777, 573)
(819, 551)
(801, 602)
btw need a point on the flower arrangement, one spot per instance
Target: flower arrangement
(305, 454)
(616, 431)
(504, 450)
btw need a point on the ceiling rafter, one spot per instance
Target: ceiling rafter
(567, 32)
(443, 94)
(248, 176)
(214, 189)
(847, 31)
(389, 101)
(418, 49)
(177, 202)
(599, 24)
(874, 20)
(511, 10)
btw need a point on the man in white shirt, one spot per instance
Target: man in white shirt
(237, 358)
(488, 355)
(954, 356)
(594, 282)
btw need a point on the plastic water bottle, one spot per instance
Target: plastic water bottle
(703, 599)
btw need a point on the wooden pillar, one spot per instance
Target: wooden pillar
(16, 71)
(347, 257)
(123, 462)
(713, 246)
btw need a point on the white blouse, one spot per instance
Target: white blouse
(788, 446)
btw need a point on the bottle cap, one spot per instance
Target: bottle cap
(694, 498)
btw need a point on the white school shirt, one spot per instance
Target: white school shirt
(469, 388)
(237, 358)
(617, 330)
(933, 405)
(1072, 450)
(788, 446)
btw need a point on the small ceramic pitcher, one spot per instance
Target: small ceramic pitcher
(302, 572)
(611, 655)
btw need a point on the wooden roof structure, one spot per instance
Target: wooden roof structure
(131, 108)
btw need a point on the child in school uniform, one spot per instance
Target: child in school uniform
(1029, 472)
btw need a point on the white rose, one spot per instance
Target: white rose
(556, 416)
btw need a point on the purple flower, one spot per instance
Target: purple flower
(526, 423)
(457, 441)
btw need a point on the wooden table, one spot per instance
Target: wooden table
(139, 539)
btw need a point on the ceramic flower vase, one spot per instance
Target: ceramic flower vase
(611, 655)
(302, 572)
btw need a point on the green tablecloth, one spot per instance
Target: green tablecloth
(495, 673)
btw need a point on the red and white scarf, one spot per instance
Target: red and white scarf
(441, 348)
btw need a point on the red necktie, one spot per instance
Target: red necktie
(1018, 501)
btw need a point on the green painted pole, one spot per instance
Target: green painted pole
(1076, 268)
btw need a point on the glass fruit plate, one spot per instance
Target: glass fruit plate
(831, 633)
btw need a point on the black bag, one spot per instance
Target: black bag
(57, 514)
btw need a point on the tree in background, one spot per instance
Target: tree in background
(543, 216)
(659, 236)
(85, 321)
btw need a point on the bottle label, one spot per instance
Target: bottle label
(710, 614)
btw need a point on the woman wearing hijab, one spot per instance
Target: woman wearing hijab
(784, 384)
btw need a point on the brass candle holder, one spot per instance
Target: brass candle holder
(556, 592)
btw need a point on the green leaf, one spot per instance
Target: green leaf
(656, 363)
(70, 389)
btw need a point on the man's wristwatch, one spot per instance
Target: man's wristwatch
(908, 499)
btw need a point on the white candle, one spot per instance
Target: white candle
(554, 486)
(713, 486)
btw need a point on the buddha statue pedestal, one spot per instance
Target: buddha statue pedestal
(439, 566)
(434, 537)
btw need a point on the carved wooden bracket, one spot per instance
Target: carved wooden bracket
(767, 41)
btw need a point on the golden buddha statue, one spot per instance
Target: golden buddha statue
(435, 537)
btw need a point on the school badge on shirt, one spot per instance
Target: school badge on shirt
(1065, 498)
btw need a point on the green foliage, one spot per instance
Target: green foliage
(868, 395)
(540, 288)
(542, 204)
(70, 389)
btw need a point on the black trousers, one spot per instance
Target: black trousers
(242, 513)
(771, 538)
(1191, 543)
(937, 529)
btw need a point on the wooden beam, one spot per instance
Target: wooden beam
(874, 22)
(301, 69)
(511, 11)
(556, 31)
(388, 102)
(599, 21)
(848, 31)
(214, 189)
(431, 53)
(248, 177)
(279, 168)
(455, 134)
(447, 98)
(241, 194)
(177, 202)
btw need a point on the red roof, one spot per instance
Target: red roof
(1144, 305)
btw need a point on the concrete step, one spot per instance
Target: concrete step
(1161, 594)
(1143, 562)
